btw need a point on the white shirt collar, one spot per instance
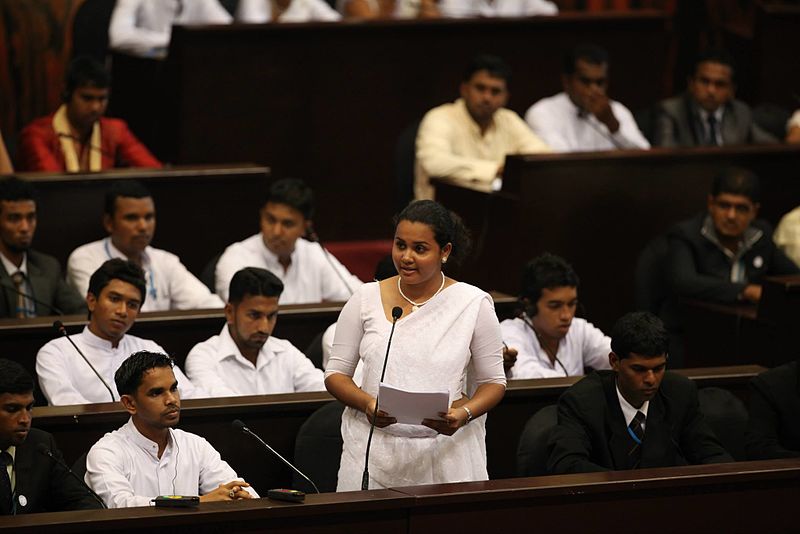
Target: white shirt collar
(146, 444)
(628, 411)
(98, 342)
(11, 268)
(718, 113)
(113, 252)
(229, 349)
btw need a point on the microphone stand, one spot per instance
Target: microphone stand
(58, 325)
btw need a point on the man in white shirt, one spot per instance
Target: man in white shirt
(583, 117)
(245, 359)
(469, 139)
(496, 8)
(116, 293)
(260, 11)
(130, 220)
(309, 273)
(147, 456)
(550, 340)
(144, 27)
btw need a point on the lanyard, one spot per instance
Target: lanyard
(152, 292)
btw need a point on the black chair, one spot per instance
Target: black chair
(209, 274)
(90, 29)
(532, 450)
(79, 467)
(405, 157)
(727, 416)
(651, 285)
(314, 351)
(318, 449)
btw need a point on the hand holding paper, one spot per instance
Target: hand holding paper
(412, 407)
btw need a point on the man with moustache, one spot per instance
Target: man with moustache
(31, 281)
(115, 296)
(245, 359)
(29, 482)
(634, 416)
(130, 220)
(148, 456)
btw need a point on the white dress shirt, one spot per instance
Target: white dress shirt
(217, 366)
(170, 285)
(584, 346)
(124, 469)
(144, 27)
(628, 410)
(450, 144)
(66, 379)
(559, 122)
(310, 277)
(496, 8)
(258, 11)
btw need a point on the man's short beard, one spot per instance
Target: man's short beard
(15, 249)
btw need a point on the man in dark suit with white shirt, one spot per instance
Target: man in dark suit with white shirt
(636, 415)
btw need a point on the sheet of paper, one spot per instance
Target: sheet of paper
(411, 407)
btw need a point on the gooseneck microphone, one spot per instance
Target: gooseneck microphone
(32, 299)
(397, 311)
(314, 238)
(43, 449)
(237, 424)
(59, 326)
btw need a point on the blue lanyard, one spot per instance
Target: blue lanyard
(152, 292)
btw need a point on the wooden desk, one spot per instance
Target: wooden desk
(600, 210)
(277, 419)
(743, 497)
(199, 210)
(327, 102)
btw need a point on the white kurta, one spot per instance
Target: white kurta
(310, 277)
(217, 366)
(66, 379)
(170, 285)
(432, 349)
(124, 469)
(584, 346)
(558, 121)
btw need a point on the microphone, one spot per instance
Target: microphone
(397, 311)
(33, 299)
(314, 238)
(43, 449)
(586, 116)
(59, 326)
(237, 424)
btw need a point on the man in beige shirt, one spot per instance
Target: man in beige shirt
(470, 138)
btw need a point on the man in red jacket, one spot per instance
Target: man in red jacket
(77, 138)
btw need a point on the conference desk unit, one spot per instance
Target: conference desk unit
(600, 210)
(200, 210)
(737, 497)
(326, 102)
(277, 418)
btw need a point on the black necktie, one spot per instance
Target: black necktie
(5, 483)
(636, 432)
(712, 130)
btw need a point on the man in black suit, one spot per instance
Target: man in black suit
(773, 430)
(634, 416)
(22, 270)
(707, 114)
(29, 480)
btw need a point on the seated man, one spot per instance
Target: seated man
(260, 11)
(549, 339)
(31, 281)
(147, 456)
(29, 482)
(773, 429)
(130, 220)
(787, 235)
(77, 138)
(723, 254)
(116, 293)
(707, 113)
(308, 272)
(637, 415)
(245, 359)
(470, 138)
(582, 117)
(496, 8)
(144, 27)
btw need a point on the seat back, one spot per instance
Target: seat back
(532, 449)
(318, 449)
(727, 416)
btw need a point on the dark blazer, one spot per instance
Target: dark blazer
(773, 430)
(591, 434)
(47, 486)
(699, 269)
(47, 285)
(678, 124)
